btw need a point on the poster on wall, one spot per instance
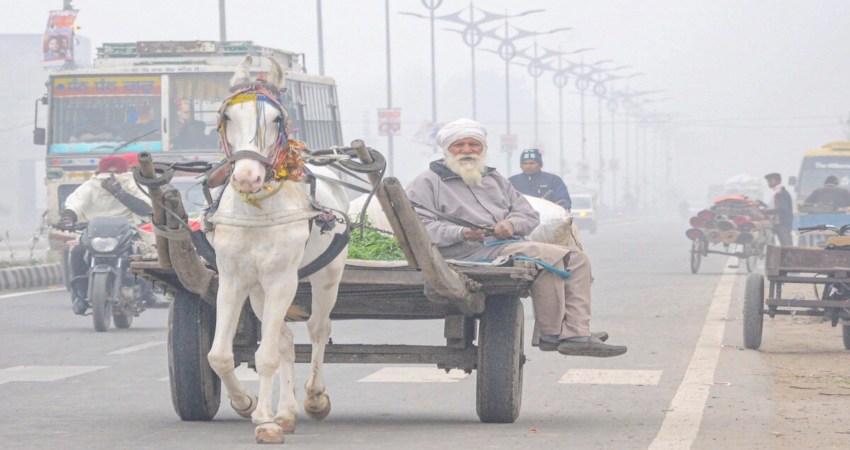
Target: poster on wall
(389, 122)
(59, 36)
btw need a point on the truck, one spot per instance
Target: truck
(162, 97)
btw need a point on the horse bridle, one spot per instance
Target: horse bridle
(258, 92)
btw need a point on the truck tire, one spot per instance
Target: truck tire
(753, 311)
(500, 360)
(99, 293)
(195, 388)
(845, 333)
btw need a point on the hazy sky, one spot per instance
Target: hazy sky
(752, 84)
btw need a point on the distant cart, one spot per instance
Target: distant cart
(825, 268)
(479, 305)
(733, 226)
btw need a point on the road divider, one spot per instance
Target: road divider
(27, 277)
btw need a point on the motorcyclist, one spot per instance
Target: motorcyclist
(111, 192)
(537, 183)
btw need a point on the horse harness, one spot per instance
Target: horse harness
(285, 163)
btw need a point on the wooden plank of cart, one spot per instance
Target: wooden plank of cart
(479, 306)
(825, 268)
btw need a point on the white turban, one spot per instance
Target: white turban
(460, 129)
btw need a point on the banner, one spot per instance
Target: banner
(389, 122)
(509, 142)
(59, 36)
(106, 85)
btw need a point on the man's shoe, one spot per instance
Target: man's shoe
(552, 346)
(589, 346)
(79, 306)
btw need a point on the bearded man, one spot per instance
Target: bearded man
(462, 186)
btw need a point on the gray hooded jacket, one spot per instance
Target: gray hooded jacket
(495, 200)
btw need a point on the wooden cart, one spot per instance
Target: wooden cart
(479, 306)
(829, 269)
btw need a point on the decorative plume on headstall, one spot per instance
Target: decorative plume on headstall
(285, 158)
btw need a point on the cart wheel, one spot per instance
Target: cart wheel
(500, 360)
(753, 310)
(697, 250)
(845, 333)
(195, 388)
(751, 256)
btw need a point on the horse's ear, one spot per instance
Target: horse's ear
(243, 72)
(276, 78)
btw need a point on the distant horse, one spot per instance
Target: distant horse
(263, 234)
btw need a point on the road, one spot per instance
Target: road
(685, 382)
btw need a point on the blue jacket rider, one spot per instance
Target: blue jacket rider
(537, 183)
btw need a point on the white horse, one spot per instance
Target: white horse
(262, 236)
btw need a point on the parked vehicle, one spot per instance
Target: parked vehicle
(113, 294)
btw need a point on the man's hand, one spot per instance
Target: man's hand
(112, 185)
(473, 235)
(503, 229)
(67, 220)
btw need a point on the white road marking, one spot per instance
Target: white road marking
(414, 375)
(682, 421)
(44, 373)
(595, 376)
(21, 294)
(136, 348)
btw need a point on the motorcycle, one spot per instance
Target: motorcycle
(113, 294)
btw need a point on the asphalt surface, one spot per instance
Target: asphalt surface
(62, 385)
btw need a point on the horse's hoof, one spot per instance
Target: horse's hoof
(288, 425)
(317, 407)
(246, 413)
(268, 433)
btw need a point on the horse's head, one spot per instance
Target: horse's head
(252, 124)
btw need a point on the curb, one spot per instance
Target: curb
(26, 277)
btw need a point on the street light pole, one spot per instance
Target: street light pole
(472, 36)
(321, 38)
(222, 23)
(507, 51)
(390, 157)
(432, 6)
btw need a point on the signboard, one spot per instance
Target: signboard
(59, 36)
(118, 85)
(509, 142)
(389, 122)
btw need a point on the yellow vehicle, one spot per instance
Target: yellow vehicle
(832, 159)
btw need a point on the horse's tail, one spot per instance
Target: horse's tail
(297, 313)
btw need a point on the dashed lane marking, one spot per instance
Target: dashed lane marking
(681, 423)
(21, 294)
(136, 348)
(44, 373)
(414, 375)
(627, 377)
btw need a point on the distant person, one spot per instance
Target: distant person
(190, 132)
(782, 212)
(535, 182)
(831, 194)
(111, 192)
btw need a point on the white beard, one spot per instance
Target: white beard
(470, 168)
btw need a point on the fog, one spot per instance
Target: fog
(748, 86)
